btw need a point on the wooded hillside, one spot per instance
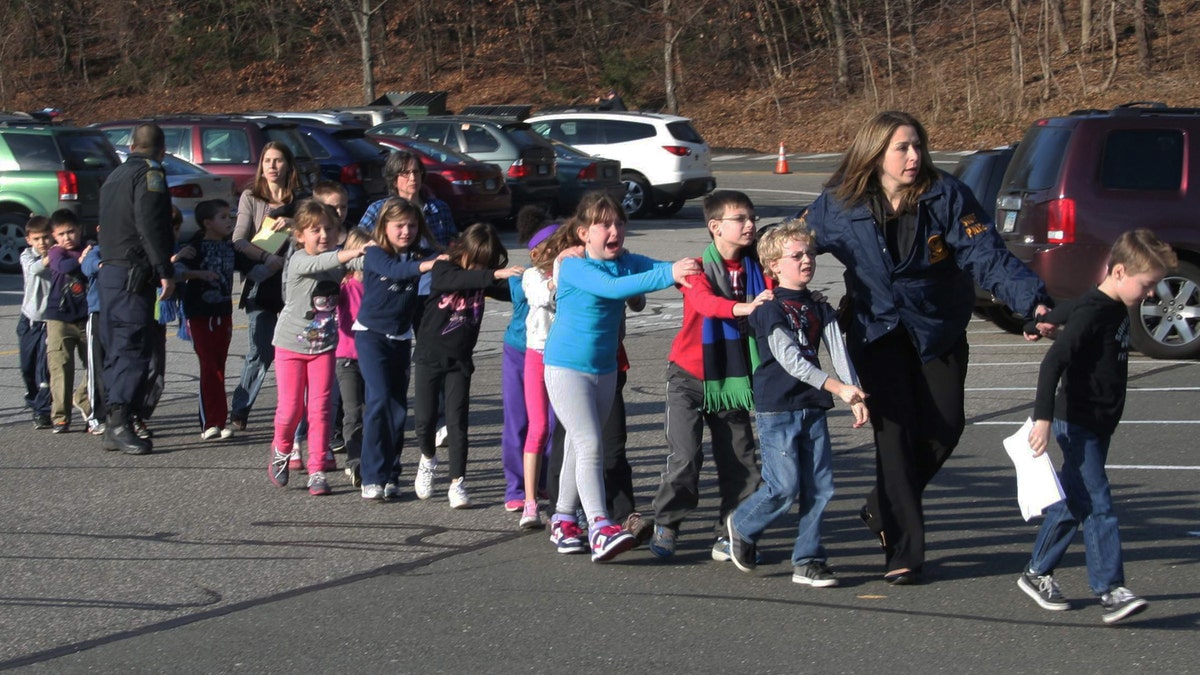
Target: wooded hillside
(750, 72)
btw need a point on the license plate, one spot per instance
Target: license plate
(543, 169)
(489, 184)
(1010, 221)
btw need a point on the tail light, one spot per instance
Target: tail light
(519, 169)
(1060, 221)
(678, 150)
(186, 191)
(464, 177)
(589, 173)
(352, 174)
(68, 186)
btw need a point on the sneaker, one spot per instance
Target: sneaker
(278, 468)
(317, 485)
(226, 433)
(741, 552)
(639, 527)
(459, 499)
(514, 505)
(390, 491)
(337, 444)
(662, 542)
(372, 493)
(424, 482)
(355, 475)
(210, 433)
(1120, 603)
(96, 427)
(608, 541)
(530, 519)
(816, 574)
(238, 423)
(139, 427)
(1044, 591)
(439, 439)
(42, 422)
(294, 462)
(720, 551)
(61, 427)
(566, 535)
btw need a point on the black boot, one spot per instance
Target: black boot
(119, 434)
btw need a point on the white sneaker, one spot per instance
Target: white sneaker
(210, 433)
(372, 492)
(459, 499)
(439, 439)
(226, 433)
(424, 483)
(391, 491)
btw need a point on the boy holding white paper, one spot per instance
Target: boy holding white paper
(1090, 357)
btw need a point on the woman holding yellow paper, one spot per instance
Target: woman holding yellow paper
(263, 223)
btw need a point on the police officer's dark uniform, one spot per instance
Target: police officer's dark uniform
(136, 240)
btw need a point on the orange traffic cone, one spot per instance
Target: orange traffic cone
(781, 165)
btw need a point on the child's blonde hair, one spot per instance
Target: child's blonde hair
(399, 208)
(356, 238)
(772, 240)
(309, 214)
(565, 237)
(1141, 251)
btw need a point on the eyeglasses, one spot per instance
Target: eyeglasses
(741, 220)
(801, 255)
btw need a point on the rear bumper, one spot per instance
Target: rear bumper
(688, 189)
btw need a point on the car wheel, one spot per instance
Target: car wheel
(1004, 318)
(12, 240)
(1167, 326)
(637, 195)
(669, 208)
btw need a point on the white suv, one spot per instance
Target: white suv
(664, 161)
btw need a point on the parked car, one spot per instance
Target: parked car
(346, 155)
(189, 185)
(664, 160)
(44, 168)
(1078, 181)
(579, 172)
(336, 117)
(228, 145)
(526, 158)
(474, 190)
(982, 172)
(368, 115)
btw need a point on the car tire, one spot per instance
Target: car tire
(1004, 318)
(1167, 326)
(669, 208)
(638, 200)
(12, 240)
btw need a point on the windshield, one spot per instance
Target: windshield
(1038, 160)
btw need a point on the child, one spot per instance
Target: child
(349, 377)
(791, 395)
(1091, 359)
(31, 325)
(90, 266)
(531, 220)
(66, 320)
(333, 194)
(208, 305)
(537, 287)
(581, 363)
(305, 338)
(383, 334)
(477, 266)
(708, 376)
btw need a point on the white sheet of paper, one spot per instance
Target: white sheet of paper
(1037, 481)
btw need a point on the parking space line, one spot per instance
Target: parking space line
(1130, 389)
(1151, 467)
(1018, 423)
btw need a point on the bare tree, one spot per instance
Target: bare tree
(1085, 25)
(363, 11)
(837, 21)
(1141, 34)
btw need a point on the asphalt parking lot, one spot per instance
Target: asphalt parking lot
(189, 560)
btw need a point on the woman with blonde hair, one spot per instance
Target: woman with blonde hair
(914, 241)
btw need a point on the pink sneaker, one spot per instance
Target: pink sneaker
(530, 518)
(609, 541)
(514, 505)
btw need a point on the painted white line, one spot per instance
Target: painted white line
(1130, 389)
(763, 157)
(782, 192)
(1149, 362)
(1151, 467)
(1016, 423)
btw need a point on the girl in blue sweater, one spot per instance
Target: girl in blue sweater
(383, 335)
(581, 362)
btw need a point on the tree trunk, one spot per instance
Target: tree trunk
(1060, 26)
(1141, 33)
(1085, 25)
(1014, 44)
(838, 21)
(669, 36)
(910, 23)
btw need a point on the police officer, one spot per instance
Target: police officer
(135, 241)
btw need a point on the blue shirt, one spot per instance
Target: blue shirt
(437, 216)
(514, 336)
(591, 304)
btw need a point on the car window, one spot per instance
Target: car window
(34, 152)
(359, 147)
(291, 137)
(1142, 159)
(619, 131)
(441, 153)
(225, 146)
(478, 139)
(684, 131)
(87, 152)
(1038, 159)
(433, 131)
(174, 166)
(178, 140)
(314, 147)
(118, 136)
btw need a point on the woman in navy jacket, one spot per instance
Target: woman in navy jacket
(913, 239)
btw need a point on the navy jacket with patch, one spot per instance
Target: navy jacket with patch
(930, 291)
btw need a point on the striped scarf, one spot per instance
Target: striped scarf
(729, 350)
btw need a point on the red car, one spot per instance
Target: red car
(474, 191)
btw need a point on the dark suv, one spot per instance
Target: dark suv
(44, 168)
(1077, 182)
(228, 145)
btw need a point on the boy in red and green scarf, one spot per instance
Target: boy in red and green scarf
(708, 376)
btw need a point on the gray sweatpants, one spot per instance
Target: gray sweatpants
(581, 403)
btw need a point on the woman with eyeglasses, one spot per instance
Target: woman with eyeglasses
(914, 241)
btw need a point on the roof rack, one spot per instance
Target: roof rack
(517, 112)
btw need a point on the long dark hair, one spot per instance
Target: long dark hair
(478, 245)
(292, 184)
(857, 175)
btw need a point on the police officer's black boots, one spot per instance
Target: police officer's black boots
(119, 434)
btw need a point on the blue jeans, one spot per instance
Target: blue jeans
(385, 365)
(259, 356)
(1089, 501)
(797, 466)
